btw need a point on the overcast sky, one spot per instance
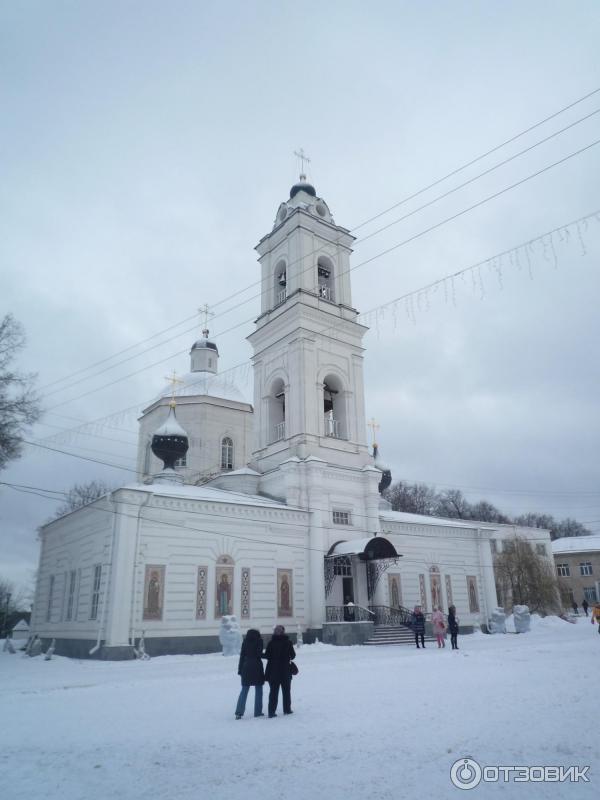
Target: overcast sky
(146, 147)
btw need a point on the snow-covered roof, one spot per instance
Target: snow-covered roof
(576, 544)
(208, 494)
(421, 519)
(204, 383)
(21, 626)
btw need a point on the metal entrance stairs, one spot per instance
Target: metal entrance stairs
(394, 634)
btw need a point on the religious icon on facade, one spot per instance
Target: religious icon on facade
(473, 599)
(154, 583)
(224, 591)
(422, 593)
(395, 591)
(284, 593)
(436, 587)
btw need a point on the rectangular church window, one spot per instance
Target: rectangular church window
(50, 598)
(563, 570)
(585, 568)
(71, 594)
(96, 591)
(342, 518)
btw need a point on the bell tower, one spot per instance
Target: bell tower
(308, 353)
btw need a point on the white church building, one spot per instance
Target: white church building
(271, 512)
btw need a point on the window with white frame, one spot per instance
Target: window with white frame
(227, 453)
(96, 591)
(585, 568)
(589, 593)
(50, 599)
(342, 518)
(563, 571)
(540, 549)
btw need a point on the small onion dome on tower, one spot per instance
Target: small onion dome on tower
(169, 443)
(204, 355)
(302, 186)
(386, 477)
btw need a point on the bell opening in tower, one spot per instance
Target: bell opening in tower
(333, 409)
(277, 411)
(325, 288)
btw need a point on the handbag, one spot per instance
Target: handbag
(294, 668)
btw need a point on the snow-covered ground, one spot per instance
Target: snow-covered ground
(368, 723)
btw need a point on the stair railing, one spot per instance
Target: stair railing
(348, 613)
(388, 615)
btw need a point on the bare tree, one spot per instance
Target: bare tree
(413, 498)
(452, 503)
(526, 577)
(81, 494)
(19, 405)
(11, 601)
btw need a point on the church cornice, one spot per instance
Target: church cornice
(300, 218)
(223, 510)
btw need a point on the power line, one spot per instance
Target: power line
(388, 250)
(355, 228)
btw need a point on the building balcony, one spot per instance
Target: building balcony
(326, 292)
(279, 432)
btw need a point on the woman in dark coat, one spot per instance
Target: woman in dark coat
(279, 654)
(453, 627)
(250, 668)
(418, 626)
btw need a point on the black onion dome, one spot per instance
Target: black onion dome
(302, 186)
(170, 442)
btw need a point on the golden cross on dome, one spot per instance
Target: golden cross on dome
(303, 158)
(374, 427)
(173, 380)
(207, 313)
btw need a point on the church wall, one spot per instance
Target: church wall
(455, 552)
(206, 422)
(231, 539)
(74, 544)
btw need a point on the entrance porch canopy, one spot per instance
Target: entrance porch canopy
(371, 549)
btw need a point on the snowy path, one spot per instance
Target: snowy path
(368, 723)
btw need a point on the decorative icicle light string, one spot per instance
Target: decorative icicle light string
(417, 300)
(545, 246)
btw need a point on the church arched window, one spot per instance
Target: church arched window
(280, 286)
(334, 408)
(226, 452)
(277, 411)
(325, 287)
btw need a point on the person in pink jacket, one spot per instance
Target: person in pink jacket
(439, 627)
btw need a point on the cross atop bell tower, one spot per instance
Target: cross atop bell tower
(309, 394)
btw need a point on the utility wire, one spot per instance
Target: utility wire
(388, 250)
(355, 228)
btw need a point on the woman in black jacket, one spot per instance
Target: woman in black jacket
(453, 627)
(279, 654)
(250, 668)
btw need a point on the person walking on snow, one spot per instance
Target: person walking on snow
(250, 669)
(453, 627)
(418, 626)
(575, 608)
(439, 626)
(585, 605)
(279, 653)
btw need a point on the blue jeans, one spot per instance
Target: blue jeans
(241, 703)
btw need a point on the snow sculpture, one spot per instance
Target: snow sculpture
(50, 650)
(299, 639)
(230, 635)
(140, 651)
(498, 621)
(522, 619)
(36, 647)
